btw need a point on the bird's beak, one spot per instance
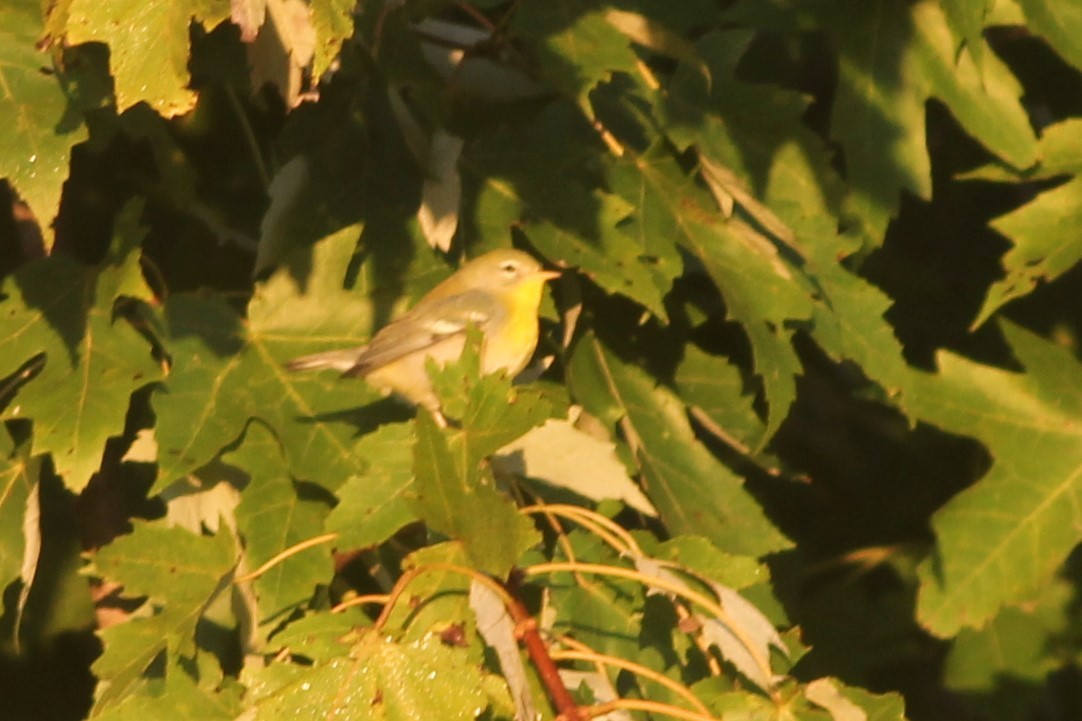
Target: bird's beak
(548, 274)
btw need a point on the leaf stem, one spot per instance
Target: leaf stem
(380, 598)
(604, 528)
(657, 707)
(407, 578)
(249, 137)
(526, 630)
(291, 551)
(602, 660)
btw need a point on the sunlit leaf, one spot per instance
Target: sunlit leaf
(373, 504)
(93, 357)
(37, 130)
(381, 679)
(148, 46)
(459, 506)
(997, 541)
(763, 290)
(179, 573)
(226, 371)
(275, 513)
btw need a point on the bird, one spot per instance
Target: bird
(498, 292)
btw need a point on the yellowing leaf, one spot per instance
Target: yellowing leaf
(283, 49)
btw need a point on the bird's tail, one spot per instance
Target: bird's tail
(341, 360)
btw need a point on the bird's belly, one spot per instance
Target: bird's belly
(408, 377)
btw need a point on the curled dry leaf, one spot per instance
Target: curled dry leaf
(497, 628)
(744, 637)
(824, 693)
(442, 191)
(283, 48)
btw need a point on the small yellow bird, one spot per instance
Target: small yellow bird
(499, 293)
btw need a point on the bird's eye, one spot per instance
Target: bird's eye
(509, 267)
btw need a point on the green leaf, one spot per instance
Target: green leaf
(464, 508)
(180, 573)
(1046, 244)
(1060, 23)
(875, 707)
(878, 114)
(693, 492)
(850, 324)
(333, 23)
(374, 504)
(577, 47)
(181, 700)
(604, 612)
(445, 594)
(381, 680)
(225, 372)
(94, 359)
(274, 514)
(703, 557)
(984, 99)
(652, 34)
(717, 389)
(318, 636)
(599, 249)
(37, 127)
(1014, 645)
(891, 59)
(491, 412)
(967, 19)
(762, 290)
(569, 222)
(1000, 539)
(148, 46)
(791, 191)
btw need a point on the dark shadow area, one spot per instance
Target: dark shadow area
(49, 677)
(367, 418)
(52, 682)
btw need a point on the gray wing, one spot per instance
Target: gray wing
(341, 360)
(424, 326)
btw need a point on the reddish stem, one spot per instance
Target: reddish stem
(527, 633)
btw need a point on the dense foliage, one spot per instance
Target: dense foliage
(803, 438)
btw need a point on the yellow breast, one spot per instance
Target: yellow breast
(510, 343)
